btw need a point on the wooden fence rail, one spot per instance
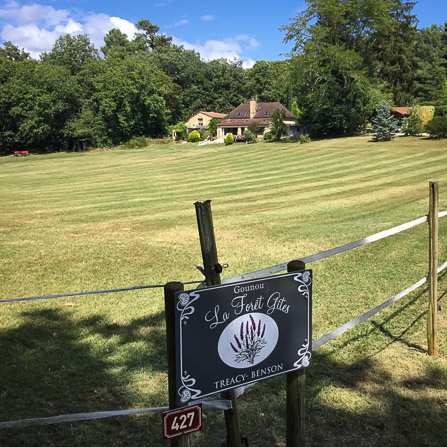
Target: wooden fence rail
(223, 404)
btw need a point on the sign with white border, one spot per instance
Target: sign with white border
(235, 334)
(181, 421)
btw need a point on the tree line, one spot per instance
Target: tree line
(348, 56)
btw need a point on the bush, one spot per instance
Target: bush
(425, 114)
(194, 136)
(411, 125)
(268, 136)
(204, 134)
(136, 142)
(304, 138)
(249, 136)
(437, 127)
(180, 130)
(229, 139)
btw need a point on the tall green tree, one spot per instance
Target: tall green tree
(36, 101)
(71, 52)
(338, 90)
(269, 81)
(128, 97)
(394, 49)
(12, 52)
(432, 66)
(384, 125)
(277, 126)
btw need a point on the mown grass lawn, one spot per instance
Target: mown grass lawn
(106, 219)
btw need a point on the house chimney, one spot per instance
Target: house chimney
(252, 109)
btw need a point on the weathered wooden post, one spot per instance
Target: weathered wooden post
(433, 221)
(295, 392)
(212, 275)
(171, 289)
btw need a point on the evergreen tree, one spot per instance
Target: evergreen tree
(277, 126)
(394, 49)
(384, 126)
(432, 66)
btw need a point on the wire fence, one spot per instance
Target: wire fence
(217, 403)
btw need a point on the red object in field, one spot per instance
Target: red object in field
(181, 421)
(21, 153)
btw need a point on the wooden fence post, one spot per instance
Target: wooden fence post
(212, 275)
(433, 220)
(295, 392)
(171, 288)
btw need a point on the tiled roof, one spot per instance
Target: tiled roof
(213, 114)
(402, 110)
(241, 114)
(229, 122)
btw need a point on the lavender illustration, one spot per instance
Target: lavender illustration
(249, 342)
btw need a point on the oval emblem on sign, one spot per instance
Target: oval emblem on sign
(248, 340)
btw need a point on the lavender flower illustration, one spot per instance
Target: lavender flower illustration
(249, 342)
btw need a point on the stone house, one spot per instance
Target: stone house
(201, 120)
(246, 114)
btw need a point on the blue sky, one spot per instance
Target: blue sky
(243, 29)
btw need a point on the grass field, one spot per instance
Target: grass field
(106, 219)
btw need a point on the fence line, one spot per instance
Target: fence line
(46, 297)
(331, 252)
(224, 404)
(217, 403)
(257, 273)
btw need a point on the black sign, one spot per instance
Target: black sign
(231, 335)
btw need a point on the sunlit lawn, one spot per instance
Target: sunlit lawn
(106, 219)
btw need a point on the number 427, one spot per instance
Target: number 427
(183, 421)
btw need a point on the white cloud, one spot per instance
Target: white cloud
(162, 4)
(33, 14)
(208, 18)
(176, 24)
(248, 63)
(36, 27)
(215, 49)
(30, 37)
(251, 41)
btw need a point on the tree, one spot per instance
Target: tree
(249, 136)
(71, 52)
(180, 130)
(255, 128)
(432, 66)
(213, 125)
(150, 36)
(36, 100)
(116, 45)
(277, 126)
(411, 125)
(129, 97)
(394, 50)
(437, 127)
(269, 81)
(12, 52)
(296, 111)
(337, 87)
(384, 125)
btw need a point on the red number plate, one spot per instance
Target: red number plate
(181, 421)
